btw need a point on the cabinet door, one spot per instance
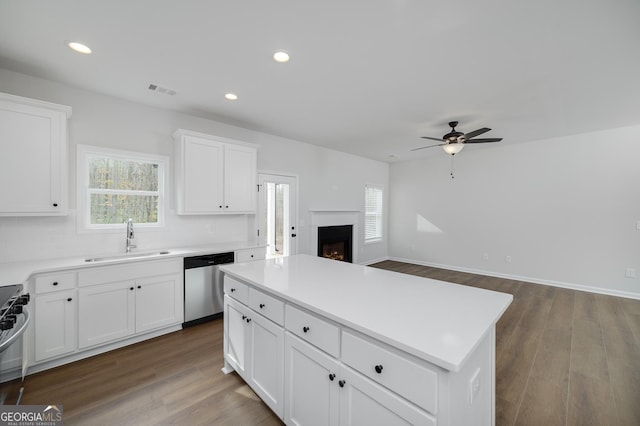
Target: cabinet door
(266, 374)
(236, 335)
(311, 385)
(106, 312)
(202, 168)
(363, 402)
(158, 302)
(240, 190)
(33, 153)
(55, 324)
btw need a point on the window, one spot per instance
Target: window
(372, 213)
(114, 186)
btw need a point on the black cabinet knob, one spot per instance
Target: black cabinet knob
(226, 207)
(332, 376)
(342, 382)
(248, 320)
(139, 286)
(131, 288)
(252, 256)
(220, 206)
(54, 283)
(244, 317)
(262, 305)
(55, 204)
(305, 329)
(69, 299)
(293, 235)
(378, 368)
(232, 290)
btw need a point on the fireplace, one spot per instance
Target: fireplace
(336, 242)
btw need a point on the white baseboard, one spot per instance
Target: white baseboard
(579, 287)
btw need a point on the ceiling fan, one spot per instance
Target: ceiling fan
(454, 141)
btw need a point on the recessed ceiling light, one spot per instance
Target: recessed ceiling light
(231, 96)
(79, 47)
(281, 56)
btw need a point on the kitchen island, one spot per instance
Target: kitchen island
(328, 342)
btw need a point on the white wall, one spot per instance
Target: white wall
(564, 209)
(327, 179)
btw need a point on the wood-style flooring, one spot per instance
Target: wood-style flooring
(563, 357)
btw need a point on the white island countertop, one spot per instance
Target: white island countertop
(434, 320)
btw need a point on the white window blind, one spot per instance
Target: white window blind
(372, 213)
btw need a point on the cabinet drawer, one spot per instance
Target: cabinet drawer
(54, 282)
(236, 289)
(249, 255)
(413, 381)
(314, 330)
(266, 305)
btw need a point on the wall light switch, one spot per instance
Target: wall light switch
(485, 256)
(507, 259)
(630, 273)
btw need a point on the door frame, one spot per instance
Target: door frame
(293, 206)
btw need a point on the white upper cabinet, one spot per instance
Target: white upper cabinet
(214, 175)
(33, 157)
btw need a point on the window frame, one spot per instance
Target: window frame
(84, 153)
(379, 214)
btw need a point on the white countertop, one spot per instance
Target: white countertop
(436, 321)
(19, 272)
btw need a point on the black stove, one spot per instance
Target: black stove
(12, 302)
(14, 318)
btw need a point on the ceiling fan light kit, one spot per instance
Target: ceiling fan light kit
(453, 147)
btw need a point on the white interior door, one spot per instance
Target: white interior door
(278, 214)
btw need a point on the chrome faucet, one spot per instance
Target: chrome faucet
(130, 239)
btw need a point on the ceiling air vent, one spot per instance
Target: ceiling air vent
(160, 89)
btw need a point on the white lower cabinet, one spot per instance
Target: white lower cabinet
(107, 312)
(254, 347)
(92, 310)
(55, 324)
(324, 367)
(311, 385)
(117, 310)
(266, 371)
(363, 402)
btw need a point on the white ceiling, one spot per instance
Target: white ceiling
(367, 77)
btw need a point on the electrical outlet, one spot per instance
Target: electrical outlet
(485, 256)
(507, 259)
(474, 386)
(630, 273)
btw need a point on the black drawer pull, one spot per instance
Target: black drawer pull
(341, 383)
(378, 368)
(305, 329)
(244, 317)
(232, 290)
(332, 376)
(69, 299)
(248, 320)
(262, 305)
(54, 283)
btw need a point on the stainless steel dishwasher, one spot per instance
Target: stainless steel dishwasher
(203, 287)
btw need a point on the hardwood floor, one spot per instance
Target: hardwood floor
(563, 358)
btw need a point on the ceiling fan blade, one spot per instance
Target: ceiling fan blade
(475, 133)
(483, 140)
(430, 138)
(430, 146)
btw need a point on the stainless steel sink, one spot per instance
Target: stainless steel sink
(127, 256)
